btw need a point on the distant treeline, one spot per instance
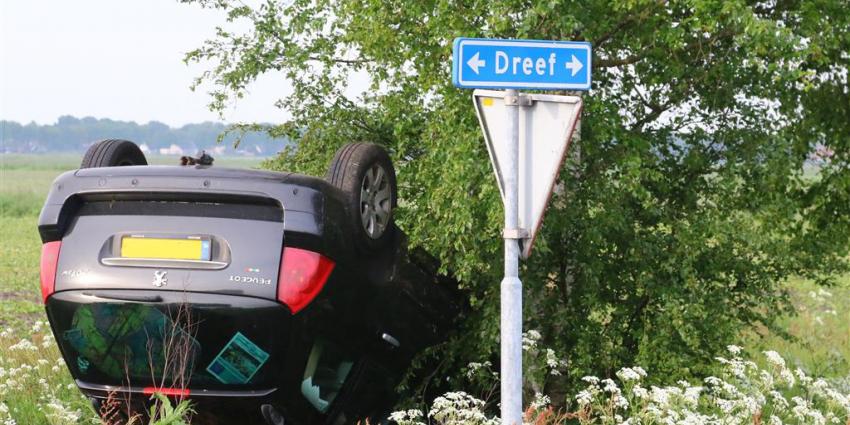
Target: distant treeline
(71, 134)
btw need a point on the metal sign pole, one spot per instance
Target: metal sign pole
(546, 65)
(511, 287)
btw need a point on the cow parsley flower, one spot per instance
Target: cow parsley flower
(640, 392)
(540, 401)
(23, 345)
(610, 386)
(584, 397)
(774, 358)
(530, 339)
(630, 374)
(407, 417)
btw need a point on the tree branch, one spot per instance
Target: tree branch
(338, 60)
(624, 23)
(610, 63)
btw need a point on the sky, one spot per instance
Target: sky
(117, 59)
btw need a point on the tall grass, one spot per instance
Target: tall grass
(820, 331)
(19, 267)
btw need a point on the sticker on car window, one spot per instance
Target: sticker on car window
(238, 361)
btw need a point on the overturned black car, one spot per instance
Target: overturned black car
(271, 296)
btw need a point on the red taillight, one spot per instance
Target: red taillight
(302, 276)
(171, 392)
(49, 261)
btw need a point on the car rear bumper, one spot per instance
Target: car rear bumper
(104, 391)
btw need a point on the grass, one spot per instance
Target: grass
(19, 268)
(35, 385)
(821, 330)
(41, 391)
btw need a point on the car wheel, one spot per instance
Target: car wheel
(112, 153)
(366, 176)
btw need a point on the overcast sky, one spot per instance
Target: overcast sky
(118, 59)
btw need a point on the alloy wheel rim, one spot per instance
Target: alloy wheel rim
(375, 201)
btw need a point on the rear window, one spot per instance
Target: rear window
(198, 345)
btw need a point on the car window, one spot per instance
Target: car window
(326, 371)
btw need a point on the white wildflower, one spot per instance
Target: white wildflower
(787, 376)
(659, 396)
(592, 380)
(584, 397)
(22, 345)
(610, 386)
(640, 392)
(407, 417)
(766, 378)
(778, 400)
(459, 408)
(713, 380)
(692, 395)
(474, 367)
(620, 402)
(775, 358)
(805, 380)
(529, 339)
(64, 414)
(540, 401)
(628, 374)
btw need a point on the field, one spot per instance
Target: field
(36, 388)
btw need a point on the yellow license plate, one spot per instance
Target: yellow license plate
(165, 248)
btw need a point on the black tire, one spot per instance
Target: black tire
(366, 176)
(113, 153)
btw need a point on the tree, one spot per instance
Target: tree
(695, 195)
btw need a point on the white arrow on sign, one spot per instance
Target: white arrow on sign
(574, 65)
(474, 62)
(545, 131)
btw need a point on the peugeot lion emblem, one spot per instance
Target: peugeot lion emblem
(159, 278)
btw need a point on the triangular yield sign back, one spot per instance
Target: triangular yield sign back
(545, 130)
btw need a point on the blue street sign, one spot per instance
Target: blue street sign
(521, 64)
